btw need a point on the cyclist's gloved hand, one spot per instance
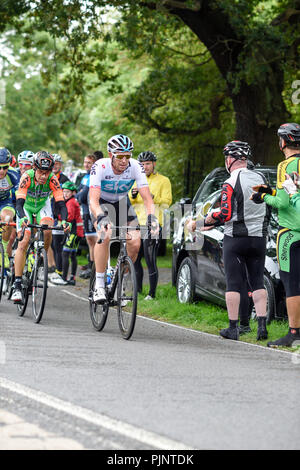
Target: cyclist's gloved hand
(103, 221)
(258, 198)
(153, 225)
(66, 226)
(265, 189)
(24, 221)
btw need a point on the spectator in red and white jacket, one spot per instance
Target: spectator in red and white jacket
(76, 233)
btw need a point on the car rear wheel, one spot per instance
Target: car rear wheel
(185, 283)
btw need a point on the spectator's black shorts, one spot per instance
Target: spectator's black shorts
(88, 225)
(244, 251)
(291, 279)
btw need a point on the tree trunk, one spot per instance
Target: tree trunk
(259, 108)
(259, 112)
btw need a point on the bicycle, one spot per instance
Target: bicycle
(122, 285)
(2, 254)
(35, 273)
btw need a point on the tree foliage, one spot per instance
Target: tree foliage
(183, 76)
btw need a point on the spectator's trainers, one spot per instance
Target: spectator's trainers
(54, 276)
(244, 329)
(286, 341)
(262, 333)
(59, 281)
(71, 282)
(86, 274)
(230, 333)
(148, 297)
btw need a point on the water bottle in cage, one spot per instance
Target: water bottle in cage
(109, 275)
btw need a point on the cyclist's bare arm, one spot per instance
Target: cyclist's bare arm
(94, 196)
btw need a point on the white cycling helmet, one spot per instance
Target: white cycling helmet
(26, 157)
(119, 143)
(57, 158)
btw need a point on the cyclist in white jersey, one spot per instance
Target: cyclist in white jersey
(110, 181)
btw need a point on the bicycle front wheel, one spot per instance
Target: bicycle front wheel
(27, 287)
(39, 286)
(1, 268)
(98, 313)
(127, 298)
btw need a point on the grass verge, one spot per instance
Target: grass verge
(202, 316)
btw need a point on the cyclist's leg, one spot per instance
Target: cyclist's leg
(7, 215)
(134, 237)
(101, 254)
(22, 245)
(19, 261)
(45, 216)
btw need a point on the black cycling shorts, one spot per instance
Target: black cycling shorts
(291, 279)
(121, 213)
(241, 252)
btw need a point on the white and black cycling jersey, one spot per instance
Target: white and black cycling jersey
(241, 216)
(115, 187)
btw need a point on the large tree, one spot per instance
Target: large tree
(253, 43)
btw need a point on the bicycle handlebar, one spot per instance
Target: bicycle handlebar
(123, 227)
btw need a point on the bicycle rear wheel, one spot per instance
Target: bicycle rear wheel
(98, 313)
(39, 286)
(127, 298)
(2, 267)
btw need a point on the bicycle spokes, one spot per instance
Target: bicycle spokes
(127, 298)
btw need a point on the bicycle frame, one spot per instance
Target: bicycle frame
(111, 289)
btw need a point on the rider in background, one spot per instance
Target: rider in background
(33, 202)
(161, 193)
(25, 161)
(9, 181)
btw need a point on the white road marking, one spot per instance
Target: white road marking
(202, 333)
(148, 438)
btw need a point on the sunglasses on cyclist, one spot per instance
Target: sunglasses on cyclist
(120, 156)
(4, 167)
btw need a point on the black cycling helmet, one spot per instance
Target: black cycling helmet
(43, 160)
(290, 133)
(147, 157)
(5, 156)
(238, 150)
